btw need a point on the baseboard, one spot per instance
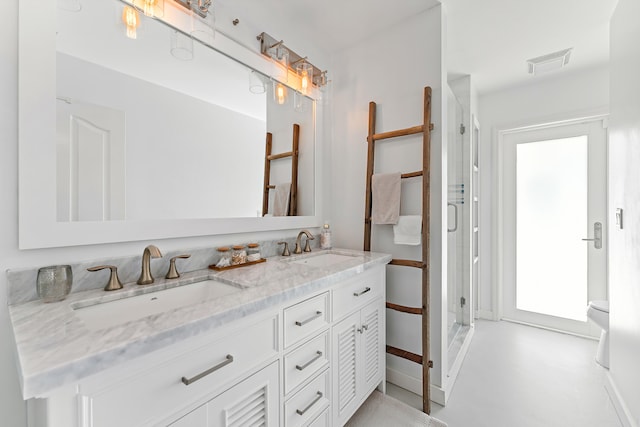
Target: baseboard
(618, 403)
(485, 314)
(414, 385)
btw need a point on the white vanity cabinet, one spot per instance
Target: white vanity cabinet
(358, 343)
(309, 361)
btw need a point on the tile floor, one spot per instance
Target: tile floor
(520, 376)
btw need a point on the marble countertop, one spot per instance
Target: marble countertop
(55, 347)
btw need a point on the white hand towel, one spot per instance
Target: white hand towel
(385, 201)
(408, 231)
(281, 199)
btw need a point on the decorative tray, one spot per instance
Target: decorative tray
(230, 267)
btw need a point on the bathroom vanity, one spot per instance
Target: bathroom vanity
(295, 341)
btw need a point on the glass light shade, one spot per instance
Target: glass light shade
(305, 72)
(298, 101)
(280, 56)
(131, 20)
(204, 29)
(181, 46)
(279, 93)
(256, 82)
(151, 8)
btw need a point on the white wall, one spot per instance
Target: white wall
(12, 407)
(624, 192)
(565, 96)
(391, 69)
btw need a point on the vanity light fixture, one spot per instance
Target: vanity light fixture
(305, 71)
(279, 92)
(151, 8)
(131, 20)
(271, 47)
(200, 7)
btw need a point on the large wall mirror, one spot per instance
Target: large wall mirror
(127, 139)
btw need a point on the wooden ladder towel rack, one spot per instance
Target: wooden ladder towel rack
(423, 264)
(268, 157)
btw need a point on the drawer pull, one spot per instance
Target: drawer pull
(318, 397)
(201, 375)
(304, 322)
(316, 357)
(357, 294)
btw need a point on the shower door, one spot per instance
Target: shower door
(554, 231)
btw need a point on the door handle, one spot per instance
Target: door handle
(597, 236)
(455, 218)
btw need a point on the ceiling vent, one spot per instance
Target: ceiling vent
(549, 62)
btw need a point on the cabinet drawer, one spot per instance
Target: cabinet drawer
(322, 420)
(356, 292)
(306, 404)
(162, 390)
(304, 361)
(306, 318)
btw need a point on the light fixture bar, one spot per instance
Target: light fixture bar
(267, 42)
(200, 7)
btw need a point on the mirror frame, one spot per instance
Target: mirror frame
(37, 225)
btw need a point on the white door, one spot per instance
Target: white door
(554, 197)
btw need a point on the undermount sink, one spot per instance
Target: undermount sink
(107, 314)
(326, 259)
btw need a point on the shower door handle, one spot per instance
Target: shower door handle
(455, 218)
(597, 236)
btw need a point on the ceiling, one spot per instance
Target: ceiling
(488, 39)
(492, 39)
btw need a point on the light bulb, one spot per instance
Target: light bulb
(131, 20)
(281, 93)
(150, 7)
(305, 71)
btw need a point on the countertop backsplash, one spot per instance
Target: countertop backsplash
(21, 283)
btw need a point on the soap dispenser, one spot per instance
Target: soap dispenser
(325, 237)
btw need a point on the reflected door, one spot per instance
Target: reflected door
(555, 198)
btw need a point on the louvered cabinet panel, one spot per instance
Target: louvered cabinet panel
(252, 403)
(373, 348)
(344, 366)
(358, 359)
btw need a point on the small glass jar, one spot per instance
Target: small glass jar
(253, 252)
(225, 257)
(239, 255)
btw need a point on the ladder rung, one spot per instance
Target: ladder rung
(404, 309)
(400, 132)
(404, 354)
(411, 174)
(280, 156)
(408, 263)
(271, 186)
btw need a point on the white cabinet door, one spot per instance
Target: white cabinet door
(358, 364)
(253, 402)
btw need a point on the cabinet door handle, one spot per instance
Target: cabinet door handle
(304, 322)
(318, 397)
(316, 357)
(363, 328)
(357, 294)
(201, 375)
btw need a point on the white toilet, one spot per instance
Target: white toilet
(598, 311)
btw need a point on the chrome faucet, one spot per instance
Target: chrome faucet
(145, 276)
(307, 247)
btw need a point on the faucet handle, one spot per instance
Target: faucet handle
(285, 252)
(173, 271)
(307, 246)
(114, 282)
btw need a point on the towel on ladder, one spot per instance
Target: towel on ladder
(281, 199)
(408, 230)
(385, 198)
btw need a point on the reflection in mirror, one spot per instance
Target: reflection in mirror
(142, 135)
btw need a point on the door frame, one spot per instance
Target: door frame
(498, 204)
